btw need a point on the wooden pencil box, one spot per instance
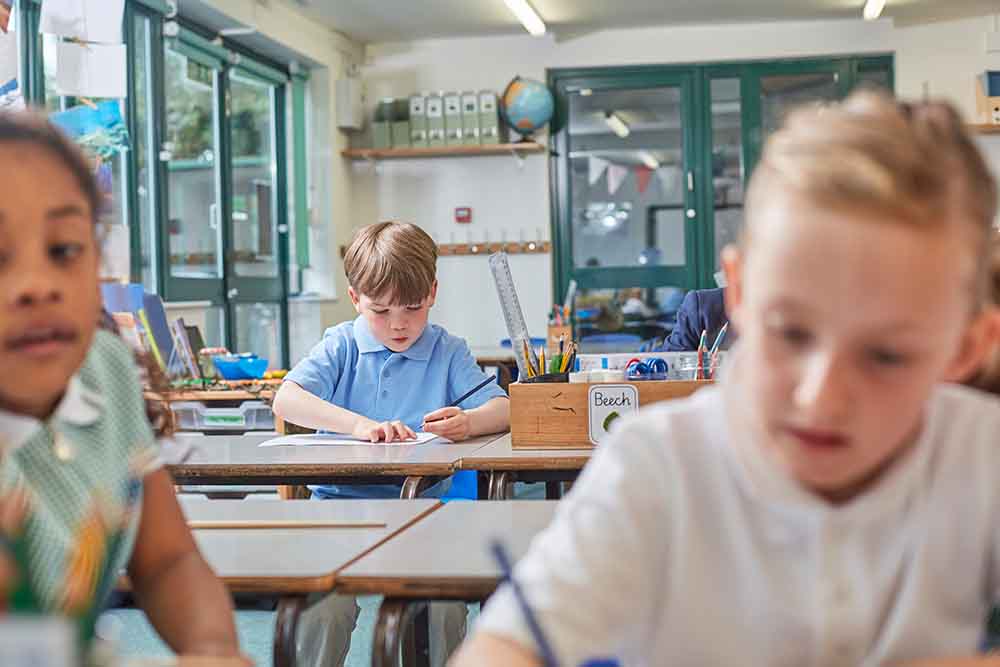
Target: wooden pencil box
(577, 415)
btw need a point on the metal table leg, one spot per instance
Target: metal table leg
(501, 485)
(394, 623)
(288, 613)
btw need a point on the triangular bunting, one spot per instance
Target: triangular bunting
(596, 167)
(616, 176)
(642, 176)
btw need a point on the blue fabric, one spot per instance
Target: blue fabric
(701, 310)
(352, 369)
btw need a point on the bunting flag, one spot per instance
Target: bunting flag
(596, 167)
(616, 176)
(642, 176)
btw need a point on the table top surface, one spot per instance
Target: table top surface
(495, 353)
(294, 560)
(446, 554)
(500, 455)
(241, 456)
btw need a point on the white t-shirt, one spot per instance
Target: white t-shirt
(682, 546)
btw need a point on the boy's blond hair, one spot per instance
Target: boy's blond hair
(909, 163)
(394, 263)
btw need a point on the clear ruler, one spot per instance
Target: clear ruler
(512, 313)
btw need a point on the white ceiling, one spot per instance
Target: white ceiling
(409, 20)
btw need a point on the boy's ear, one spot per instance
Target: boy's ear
(981, 337)
(355, 299)
(434, 293)
(732, 267)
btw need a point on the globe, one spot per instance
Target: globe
(527, 105)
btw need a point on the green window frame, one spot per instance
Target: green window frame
(144, 19)
(849, 72)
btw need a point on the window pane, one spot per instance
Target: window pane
(728, 167)
(258, 327)
(193, 225)
(144, 156)
(781, 93)
(627, 178)
(53, 101)
(254, 230)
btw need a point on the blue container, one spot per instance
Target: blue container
(244, 367)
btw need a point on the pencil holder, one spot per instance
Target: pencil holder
(546, 378)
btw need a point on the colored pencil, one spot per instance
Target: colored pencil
(548, 656)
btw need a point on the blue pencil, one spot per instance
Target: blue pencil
(503, 560)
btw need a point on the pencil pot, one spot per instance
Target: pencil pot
(569, 415)
(547, 378)
(557, 333)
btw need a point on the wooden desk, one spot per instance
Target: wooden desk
(501, 357)
(254, 560)
(506, 465)
(444, 556)
(239, 460)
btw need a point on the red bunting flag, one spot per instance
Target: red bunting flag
(642, 176)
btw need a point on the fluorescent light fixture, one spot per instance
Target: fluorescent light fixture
(586, 92)
(527, 15)
(873, 9)
(648, 160)
(616, 124)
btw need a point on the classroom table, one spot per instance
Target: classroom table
(442, 557)
(252, 560)
(506, 465)
(238, 460)
(501, 358)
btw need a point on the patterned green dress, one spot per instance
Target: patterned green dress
(78, 476)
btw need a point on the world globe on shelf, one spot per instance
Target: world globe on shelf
(527, 105)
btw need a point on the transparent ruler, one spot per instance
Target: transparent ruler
(512, 314)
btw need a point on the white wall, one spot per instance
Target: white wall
(505, 199)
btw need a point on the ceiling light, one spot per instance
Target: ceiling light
(586, 92)
(648, 160)
(616, 124)
(527, 15)
(873, 9)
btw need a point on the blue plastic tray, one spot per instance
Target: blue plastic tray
(240, 368)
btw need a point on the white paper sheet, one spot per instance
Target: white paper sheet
(87, 20)
(91, 70)
(10, 56)
(317, 440)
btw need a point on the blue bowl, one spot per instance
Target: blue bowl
(240, 368)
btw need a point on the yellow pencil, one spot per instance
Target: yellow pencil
(527, 359)
(541, 360)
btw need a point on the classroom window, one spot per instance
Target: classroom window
(649, 166)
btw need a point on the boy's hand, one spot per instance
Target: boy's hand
(395, 431)
(451, 423)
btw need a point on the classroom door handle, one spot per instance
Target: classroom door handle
(691, 213)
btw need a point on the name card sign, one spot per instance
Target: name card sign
(607, 403)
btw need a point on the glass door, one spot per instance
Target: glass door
(193, 238)
(627, 205)
(257, 230)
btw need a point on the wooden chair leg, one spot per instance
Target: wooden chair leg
(294, 492)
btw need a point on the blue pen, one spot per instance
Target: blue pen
(503, 560)
(719, 338)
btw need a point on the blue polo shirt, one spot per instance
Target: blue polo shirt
(352, 369)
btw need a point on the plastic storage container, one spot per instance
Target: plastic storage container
(248, 416)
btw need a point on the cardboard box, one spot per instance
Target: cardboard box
(453, 135)
(559, 416)
(470, 119)
(435, 121)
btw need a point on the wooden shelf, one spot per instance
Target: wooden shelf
(984, 129)
(523, 148)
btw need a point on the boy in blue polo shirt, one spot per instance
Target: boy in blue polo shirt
(383, 377)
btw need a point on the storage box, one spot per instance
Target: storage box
(435, 121)
(453, 135)
(418, 121)
(248, 416)
(558, 416)
(489, 118)
(470, 119)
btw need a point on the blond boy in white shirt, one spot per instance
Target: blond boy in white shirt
(832, 503)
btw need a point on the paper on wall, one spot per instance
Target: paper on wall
(86, 20)
(7, 18)
(91, 70)
(10, 91)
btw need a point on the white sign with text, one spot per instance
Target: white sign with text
(607, 403)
